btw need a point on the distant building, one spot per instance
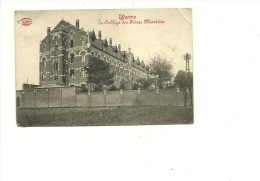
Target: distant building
(29, 86)
(66, 50)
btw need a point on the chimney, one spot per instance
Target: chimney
(99, 35)
(48, 30)
(110, 41)
(88, 36)
(119, 47)
(77, 23)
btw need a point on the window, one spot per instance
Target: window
(56, 38)
(72, 58)
(44, 48)
(82, 41)
(99, 56)
(55, 77)
(44, 62)
(83, 73)
(56, 65)
(83, 58)
(72, 73)
(83, 54)
(44, 75)
(71, 33)
(71, 43)
(92, 54)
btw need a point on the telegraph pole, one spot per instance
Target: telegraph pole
(187, 58)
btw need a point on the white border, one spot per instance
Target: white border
(223, 143)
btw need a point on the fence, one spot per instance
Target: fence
(74, 97)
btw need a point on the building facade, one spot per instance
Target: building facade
(67, 49)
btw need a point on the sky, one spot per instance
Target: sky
(173, 37)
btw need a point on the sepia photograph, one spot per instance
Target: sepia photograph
(129, 90)
(105, 67)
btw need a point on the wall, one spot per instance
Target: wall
(73, 97)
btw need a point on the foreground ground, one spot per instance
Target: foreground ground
(104, 116)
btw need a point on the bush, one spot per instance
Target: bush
(112, 88)
(98, 87)
(122, 85)
(83, 89)
(135, 86)
(144, 83)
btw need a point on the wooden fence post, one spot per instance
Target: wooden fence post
(89, 97)
(34, 98)
(157, 96)
(105, 97)
(121, 97)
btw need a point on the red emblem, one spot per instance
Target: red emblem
(25, 21)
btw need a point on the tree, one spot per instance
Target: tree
(190, 85)
(184, 79)
(99, 72)
(161, 67)
(189, 79)
(122, 85)
(145, 83)
(181, 79)
(135, 86)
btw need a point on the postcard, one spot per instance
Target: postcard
(104, 67)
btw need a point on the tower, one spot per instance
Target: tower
(53, 58)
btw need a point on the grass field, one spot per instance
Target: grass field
(104, 116)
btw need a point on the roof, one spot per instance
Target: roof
(101, 44)
(66, 27)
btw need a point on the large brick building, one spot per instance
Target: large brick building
(66, 50)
